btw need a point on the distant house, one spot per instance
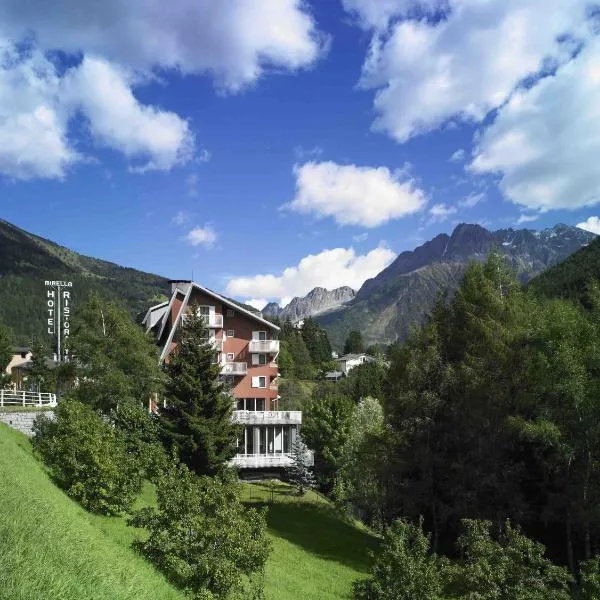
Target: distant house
(333, 376)
(349, 361)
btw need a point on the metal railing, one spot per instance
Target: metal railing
(268, 417)
(270, 346)
(23, 398)
(234, 368)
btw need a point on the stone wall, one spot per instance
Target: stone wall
(23, 421)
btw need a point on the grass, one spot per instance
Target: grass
(51, 548)
(316, 554)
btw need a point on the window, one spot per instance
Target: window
(250, 404)
(259, 336)
(259, 359)
(230, 333)
(240, 404)
(259, 382)
(230, 356)
(204, 310)
(260, 404)
(230, 312)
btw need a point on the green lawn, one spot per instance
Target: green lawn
(51, 548)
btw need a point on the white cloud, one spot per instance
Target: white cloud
(235, 41)
(545, 142)
(33, 128)
(591, 224)
(353, 195)
(191, 182)
(361, 237)
(202, 236)
(427, 73)
(329, 269)
(37, 107)
(116, 119)
(527, 219)
(378, 13)
(472, 200)
(257, 303)
(458, 156)
(440, 212)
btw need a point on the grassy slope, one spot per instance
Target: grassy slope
(49, 546)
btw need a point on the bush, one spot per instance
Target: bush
(88, 458)
(404, 569)
(203, 538)
(590, 579)
(141, 433)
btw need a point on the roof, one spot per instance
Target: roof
(153, 308)
(187, 293)
(353, 356)
(21, 349)
(334, 375)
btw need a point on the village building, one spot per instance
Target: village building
(246, 348)
(349, 361)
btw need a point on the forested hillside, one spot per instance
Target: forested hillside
(571, 278)
(27, 260)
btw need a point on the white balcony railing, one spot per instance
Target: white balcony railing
(19, 398)
(269, 346)
(234, 368)
(213, 321)
(262, 461)
(268, 417)
(217, 344)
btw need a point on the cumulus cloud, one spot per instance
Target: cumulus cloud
(545, 142)
(33, 128)
(257, 303)
(329, 269)
(234, 41)
(378, 13)
(116, 119)
(202, 236)
(38, 105)
(354, 195)
(429, 72)
(441, 212)
(591, 224)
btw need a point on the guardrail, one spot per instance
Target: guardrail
(22, 398)
(269, 417)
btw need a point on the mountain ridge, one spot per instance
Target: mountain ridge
(318, 301)
(388, 305)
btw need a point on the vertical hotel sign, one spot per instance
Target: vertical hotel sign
(58, 312)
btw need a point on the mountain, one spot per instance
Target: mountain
(570, 278)
(318, 301)
(387, 306)
(27, 260)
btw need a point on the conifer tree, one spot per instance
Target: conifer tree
(299, 473)
(197, 417)
(354, 343)
(5, 354)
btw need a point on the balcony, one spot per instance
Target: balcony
(217, 344)
(264, 461)
(267, 346)
(269, 417)
(213, 321)
(234, 368)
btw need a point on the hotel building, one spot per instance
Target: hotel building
(246, 348)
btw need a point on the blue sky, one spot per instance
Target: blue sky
(269, 146)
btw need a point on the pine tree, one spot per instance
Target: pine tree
(39, 373)
(197, 417)
(354, 343)
(317, 342)
(299, 473)
(5, 354)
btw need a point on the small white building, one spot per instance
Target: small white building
(349, 361)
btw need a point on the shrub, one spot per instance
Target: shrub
(404, 569)
(590, 579)
(141, 433)
(202, 537)
(88, 458)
